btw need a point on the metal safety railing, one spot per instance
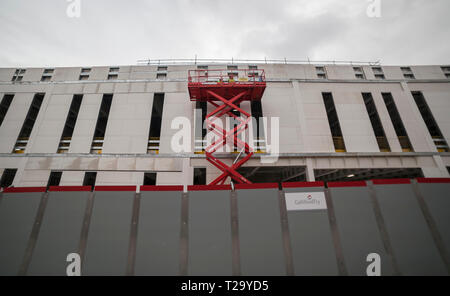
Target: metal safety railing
(236, 76)
(199, 61)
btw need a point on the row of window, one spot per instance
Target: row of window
(161, 74)
(377, 126)
(69, 126)
(256, 110)
(54, 179)
(377, 72)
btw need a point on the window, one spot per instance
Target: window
(321, 73)
(232, 67)
(430, 122)
(258, 127)
(333, 121)
(397, 122)
(155, 123)
(199, 176)
(84, 74)
(89, 179)
(359, 73)
(27, 127)
(18, 75)
(377, 126)
(407, 73)
(446, 70)
(4, 106)
(113, 73)
(378, 72)
(47, 75)
(8, 177)
(200, 130)
(162, 68)
(161, 76)
(149, 178)
(202, 67)
(54, 179)
(69, 126)
(253, 67)
(102, 121)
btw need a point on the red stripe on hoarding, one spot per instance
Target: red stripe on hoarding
(208, 187)
(391, 181)
(69, 188)
(347, 184)
(302, 184)
(256, 186)
(162, 188)
(115, 188)
(433, 180)
(24, 189)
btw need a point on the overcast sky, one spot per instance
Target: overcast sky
(113, 32)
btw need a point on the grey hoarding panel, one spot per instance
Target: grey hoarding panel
(311, 242)
(358, 229)
(209, 233)
(158, 239)
(109, 234)
(411, 240)
(17, 214)
(260, 237)
(437, 198)
(59, 234)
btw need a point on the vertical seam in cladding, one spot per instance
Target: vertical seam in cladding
(85, 228)
(133, 235)
(286, 235)
(235, 249)
(335, 235)
(184, 234)
(33, 235)
(437, 238)
(382, 229)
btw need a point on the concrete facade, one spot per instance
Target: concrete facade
(293, 93)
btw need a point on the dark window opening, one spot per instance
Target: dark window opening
(27, 127)
(112, 76)
(199, 176)
(430, 122)
(232, 67)
(4, 106)
(69, 126)
(277, 174)
(377, 126)
(89, 179)
(8, 177)
(155, 123)
(54, 179)
(332, 175)
(258, 129)
(333, 121)
(149, 178)
(397, 122)
(200, 128)
(102, 122)
(161, 76)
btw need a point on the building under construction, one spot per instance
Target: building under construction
(112, 125)
(214, 168)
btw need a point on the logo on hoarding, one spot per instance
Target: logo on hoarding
(301, 201)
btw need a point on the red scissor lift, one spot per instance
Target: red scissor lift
(225, 90)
